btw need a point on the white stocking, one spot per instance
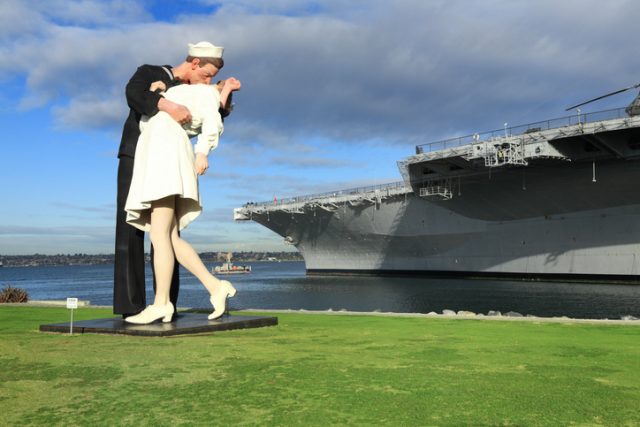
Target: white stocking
(162, 220)
(189, 259)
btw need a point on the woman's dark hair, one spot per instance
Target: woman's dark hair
(226, 109)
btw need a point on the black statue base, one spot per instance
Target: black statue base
(184, 323)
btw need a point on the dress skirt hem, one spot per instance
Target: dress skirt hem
(166, 170)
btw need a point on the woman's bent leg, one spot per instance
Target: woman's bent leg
(189, 259)
(162, 219)
(219, 290)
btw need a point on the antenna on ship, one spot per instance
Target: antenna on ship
(635, 111)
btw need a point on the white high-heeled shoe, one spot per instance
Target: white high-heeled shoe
(151, 314)
(219, 299)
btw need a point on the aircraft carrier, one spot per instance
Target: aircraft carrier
(553, 200)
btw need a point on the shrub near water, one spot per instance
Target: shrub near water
(11, 294)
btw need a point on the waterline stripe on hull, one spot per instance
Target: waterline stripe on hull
(480, 275)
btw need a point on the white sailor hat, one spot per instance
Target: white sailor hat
(205, 50)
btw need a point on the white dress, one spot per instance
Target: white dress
(164, 160)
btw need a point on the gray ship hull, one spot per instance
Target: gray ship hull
(553, 219)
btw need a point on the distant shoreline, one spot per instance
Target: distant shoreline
(39, 260)
(111, 263)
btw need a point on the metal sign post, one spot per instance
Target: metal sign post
(72, 303)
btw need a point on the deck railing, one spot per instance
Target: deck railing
(616, 113)
(311, 197)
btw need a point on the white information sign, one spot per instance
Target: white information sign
(72, 303)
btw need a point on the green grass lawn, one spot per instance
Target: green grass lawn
(321, 370)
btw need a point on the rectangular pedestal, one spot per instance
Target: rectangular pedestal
(184, 323)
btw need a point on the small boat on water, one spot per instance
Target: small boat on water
(229, 268)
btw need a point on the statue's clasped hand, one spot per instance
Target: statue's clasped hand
(158, 86)
(201, 164)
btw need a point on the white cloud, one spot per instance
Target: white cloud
(91, 12)
(348, 72)
(15, 240)
(20, 19)
(89, 112)
(314, 162)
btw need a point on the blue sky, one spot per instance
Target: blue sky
(334, 93)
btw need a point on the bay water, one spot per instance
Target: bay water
(284, 285)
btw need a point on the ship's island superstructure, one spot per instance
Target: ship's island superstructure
(557, 199)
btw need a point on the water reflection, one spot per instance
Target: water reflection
(422, 295)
